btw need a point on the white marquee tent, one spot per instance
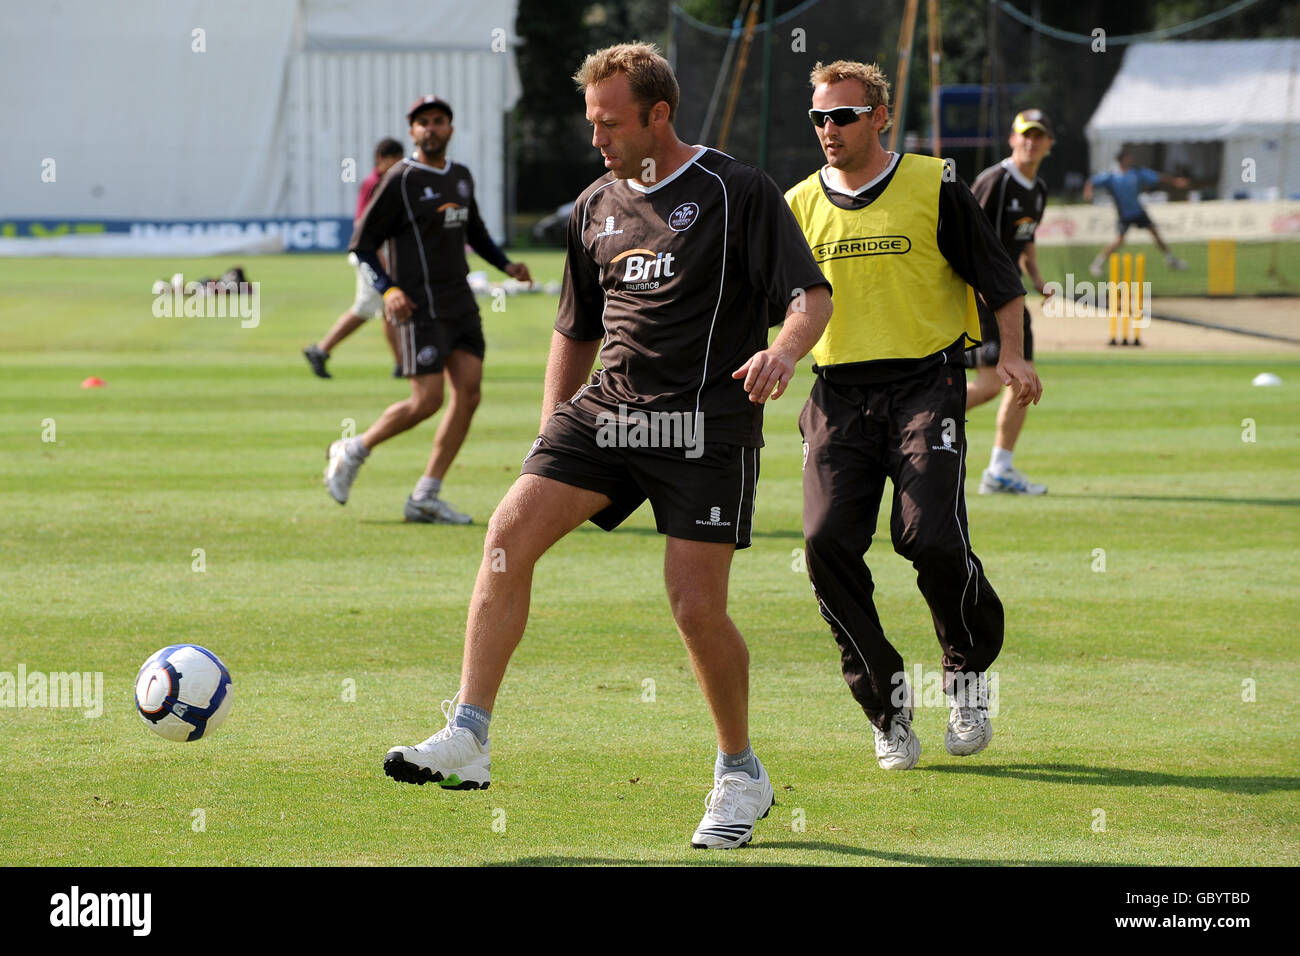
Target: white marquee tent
(239, 109)
(1242, 94)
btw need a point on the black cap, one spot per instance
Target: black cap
(424, 102)
(1032, 119)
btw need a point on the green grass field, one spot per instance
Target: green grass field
(1262, 268)
(1123, 736)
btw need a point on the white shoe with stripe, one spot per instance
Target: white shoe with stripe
(736, 802)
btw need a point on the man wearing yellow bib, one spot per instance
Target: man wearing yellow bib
(902, 241)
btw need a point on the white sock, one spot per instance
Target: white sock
(1000, 460)
(427, 488)
(357, 448)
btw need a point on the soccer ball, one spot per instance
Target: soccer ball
(183, 691)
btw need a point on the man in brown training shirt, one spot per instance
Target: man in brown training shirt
(679, 260)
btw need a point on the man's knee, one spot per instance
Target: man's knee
(467, 398)
(936, 548)
(425, 404)
(828, 539)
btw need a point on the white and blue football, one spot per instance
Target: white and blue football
(183, 691)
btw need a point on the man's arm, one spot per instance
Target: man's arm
(376, 225)
(1029, 262)
(481, 242)
(1025, 385)
(567, 369)
(767, 373)
(967, 241)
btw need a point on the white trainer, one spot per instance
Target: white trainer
(736, 802)
(969, 728)
(1009, 482)
(1175, 263)
(898, 748)
(452, 758)
(433, 510)
(1095, 267)
(341, 471)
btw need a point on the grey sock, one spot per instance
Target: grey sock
(730, 763)
(427, 488)
(472, 718)
(357, 448)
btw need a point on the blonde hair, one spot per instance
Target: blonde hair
(872, 78)
(648, 73)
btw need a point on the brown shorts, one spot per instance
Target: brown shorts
(705, 498)
(423, 347)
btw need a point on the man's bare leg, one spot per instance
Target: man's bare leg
(696, 574)
(535, 513)
(425, 400)
(1011, 418)
(465, 376)
(985, 387)
(345, 325)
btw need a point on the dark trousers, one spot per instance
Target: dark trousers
(913, 432)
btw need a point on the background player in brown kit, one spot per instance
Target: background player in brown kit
(425, 210)
(679, 259)
(902, 242)
(1013, 198)
(367, 302)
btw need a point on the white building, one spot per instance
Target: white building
(239, 109)
(1223, 109)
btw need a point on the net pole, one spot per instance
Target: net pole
(935, 30)
(751, 19)
(904, 65)
(765, 108)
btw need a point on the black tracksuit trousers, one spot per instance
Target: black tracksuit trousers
(911, 431)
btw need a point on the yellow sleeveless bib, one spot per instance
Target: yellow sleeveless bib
(896, 296)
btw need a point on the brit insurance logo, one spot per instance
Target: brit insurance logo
(454, 214)
(862, 246)
(643, 269)
(683, 217)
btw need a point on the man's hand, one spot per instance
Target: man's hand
(1087, 191)
(1024, 381)
(519, 272)
(397, 307)
(766, 374)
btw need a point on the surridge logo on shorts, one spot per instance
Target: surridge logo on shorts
(715, 518)
(426, 355)
(643, 268)
(862, 246)
(683, 217)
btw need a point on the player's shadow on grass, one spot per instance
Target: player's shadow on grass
(750, 855)
(1193, 499)
(1120, 777)
(588, 528)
